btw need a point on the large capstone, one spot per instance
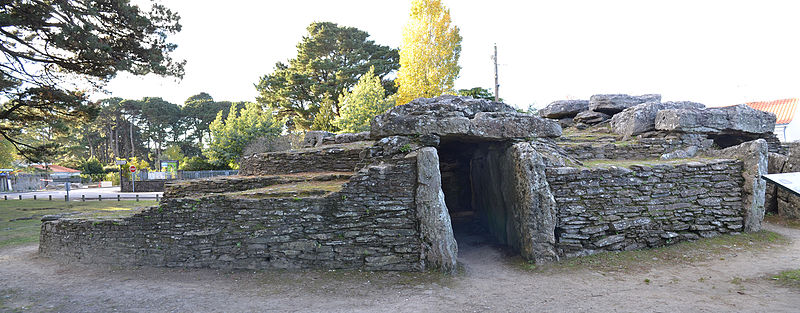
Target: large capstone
(726, 120)
(462, 117)
(564, 108)
(614, 103)
(642, 117)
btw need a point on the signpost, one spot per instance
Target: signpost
(788, 181)
(133, 178)
(67, 187)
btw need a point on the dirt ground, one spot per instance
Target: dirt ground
(489, 283)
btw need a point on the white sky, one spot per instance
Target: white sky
(714, 52)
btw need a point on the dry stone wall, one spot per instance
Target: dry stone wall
(642, 149)
(370, 224)
(328, 158)
(616, 208)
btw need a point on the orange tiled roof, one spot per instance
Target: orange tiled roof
(57, 169)
(783, 109)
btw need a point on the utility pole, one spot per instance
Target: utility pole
(496, 82)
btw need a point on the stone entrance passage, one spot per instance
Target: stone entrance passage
(493, 195)
(476, 212)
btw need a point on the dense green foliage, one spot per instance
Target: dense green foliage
(329, 59)
(54, 49)
(477, 93)
(359, 106)
(7, 154)
(232, 133)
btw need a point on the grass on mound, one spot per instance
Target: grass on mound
(716, 248)
(20, 220)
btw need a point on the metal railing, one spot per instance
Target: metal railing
(182, 175)
(155, 197)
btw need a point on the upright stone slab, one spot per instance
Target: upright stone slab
(533, 205)
(439, 248)
(754, 155)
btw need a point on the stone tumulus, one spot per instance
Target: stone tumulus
(399, 196)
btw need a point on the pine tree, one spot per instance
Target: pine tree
(362, 104)
(429, 52)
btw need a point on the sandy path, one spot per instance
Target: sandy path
(490, 284)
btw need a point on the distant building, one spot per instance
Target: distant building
(786, 127)
(59, 172)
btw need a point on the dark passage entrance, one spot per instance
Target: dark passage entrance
(473, 191)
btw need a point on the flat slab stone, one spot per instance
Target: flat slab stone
(464, 117)
(614, 103)
(733, 119)
(564, 108)
(642, 117)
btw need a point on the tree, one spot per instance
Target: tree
(232, 133)
(172, 153)
(358, 107)
(429, 52)
(329, 59)
(200, 110)
(7, 154)
(478, 93)
(55, 49)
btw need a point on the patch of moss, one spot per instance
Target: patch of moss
(294, 191)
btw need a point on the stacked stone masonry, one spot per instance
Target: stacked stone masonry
(370, 224)
(618, 208)
(641, 149)
(329, 158)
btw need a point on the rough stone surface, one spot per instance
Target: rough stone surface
(634, 149)
(591, 117)
(642, 117)
(617, 208)
(225, 184)
(351, 137)
(462, 117)
(564, 108)
(688, 152)
(511, 194)
(327, 158)
(316, 138)
(614, 103)
(534, 206)
(726, 120)
(439, 248)
(754, 155)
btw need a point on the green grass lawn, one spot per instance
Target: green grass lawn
(20, 220)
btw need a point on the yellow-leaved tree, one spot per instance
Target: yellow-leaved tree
(429, 53)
